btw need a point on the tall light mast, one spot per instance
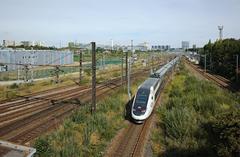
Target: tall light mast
(112, 44)
(220, 28)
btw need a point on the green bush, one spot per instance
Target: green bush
(179, 123)
(88, 72)
(13, 86)
(225, 133)
(43, 147)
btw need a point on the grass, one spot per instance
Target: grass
(15, 90)
(83, 134)
(186, 120)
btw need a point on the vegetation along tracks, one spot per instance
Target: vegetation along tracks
(33, 122)
(218, 80)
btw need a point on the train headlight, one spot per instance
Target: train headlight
(143, 110)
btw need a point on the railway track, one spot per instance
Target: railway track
(216, 79)
(133, 142)
(23, 120)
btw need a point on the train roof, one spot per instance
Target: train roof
(159, 73)
(149, 83)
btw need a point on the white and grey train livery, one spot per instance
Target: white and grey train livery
(147, 94)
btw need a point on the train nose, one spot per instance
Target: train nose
(138, 111)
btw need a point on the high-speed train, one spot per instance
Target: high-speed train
(148, 92)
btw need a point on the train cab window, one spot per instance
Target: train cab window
(140, 105)
(142, 97)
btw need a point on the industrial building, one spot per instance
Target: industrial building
(7, 43)
(161, 47)
(9, 58)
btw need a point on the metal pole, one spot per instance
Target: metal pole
(129, 92)
(80, 66)
(18, 73)
(32, 73)
(159, 59)
(151, 63)
(103, 61)
(122, 69)
(93, 107)
(237, 67)
(126, 74)
(26, 69)
(32, 70)
(205, 62)
(57, 70)
(211, 59)
(129, 72)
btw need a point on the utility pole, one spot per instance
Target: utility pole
(122, 68)
(57, 70)
(112, 45)
(104, 63)
(93, 107)
(126, 62)
(210, 59)
(129, 72)
(18, 73)
(159, 59)
(237, 68)
(26, 70)
(31, 73)
(129, 75)
(151, 63)
(101, 65)
(80, 66)
(205, 62)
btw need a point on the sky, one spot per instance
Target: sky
(162, 22)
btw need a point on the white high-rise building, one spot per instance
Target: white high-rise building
(185, 45)
(7, 43)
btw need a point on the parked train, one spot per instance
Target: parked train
(147, 94)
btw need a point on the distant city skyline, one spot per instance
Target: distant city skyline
(154, 21)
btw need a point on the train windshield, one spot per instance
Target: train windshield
(141, 100)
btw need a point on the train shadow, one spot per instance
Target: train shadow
(127, 113)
